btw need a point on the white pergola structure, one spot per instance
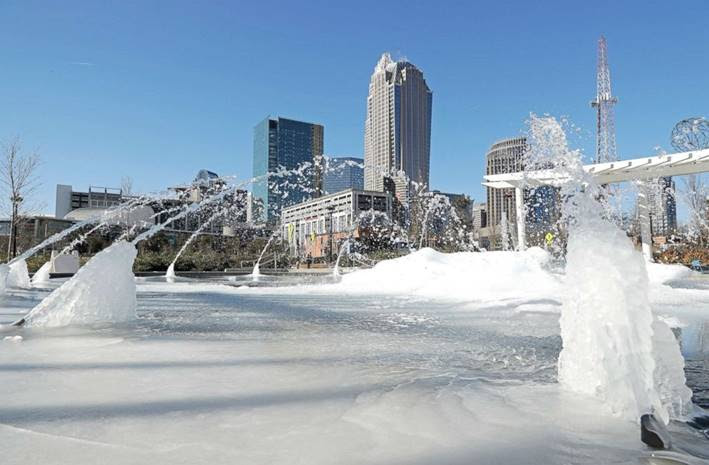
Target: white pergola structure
(638, 169)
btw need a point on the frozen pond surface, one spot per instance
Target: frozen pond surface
(214, 373)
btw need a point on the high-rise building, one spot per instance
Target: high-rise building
(343, 173)
(541, 203)
(479, 216)
(504, 156)
(397, 131)
(662, 207)
(282, 144)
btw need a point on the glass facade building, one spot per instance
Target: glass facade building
(663, 206)
(343, 173)
(282, 144)
(397, 130)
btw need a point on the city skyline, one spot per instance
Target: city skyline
(103, 96)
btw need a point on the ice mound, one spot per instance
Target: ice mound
(613, 349)
(18, 275)
(170, 273)
(670, 380)
(103, 290)
(42, 275)
(4, 272)
(461, 275)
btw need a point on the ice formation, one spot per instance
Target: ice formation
(4, 272)
(613, 348)
(103, 290)
(256, 272)
(19, 276)
(669, 377)
(170, 273)
(42, 275)
(606, 322)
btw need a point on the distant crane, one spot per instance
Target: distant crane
(605, 122)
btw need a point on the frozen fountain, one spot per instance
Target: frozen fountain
(42, 275)
(89, 296)
(256, 272)
(170, 273)
(16, 274)
(613, 347)
(103, 290)
(345, 246)
(505, 231)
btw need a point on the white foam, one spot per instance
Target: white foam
(103, 290)
(459, 276)
(660, 273)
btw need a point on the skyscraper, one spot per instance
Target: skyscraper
(281, 143)
(662, 206)
(397, 131)
(505, 156)
(541, 205)
(343, 173)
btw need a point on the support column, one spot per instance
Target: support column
(521, 227)
(644, 220)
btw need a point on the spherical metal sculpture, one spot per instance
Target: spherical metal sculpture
(691, 134)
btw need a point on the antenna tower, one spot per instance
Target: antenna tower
(604, 102)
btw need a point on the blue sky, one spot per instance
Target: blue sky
(157, 90)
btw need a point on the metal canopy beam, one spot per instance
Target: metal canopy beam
(675, 164)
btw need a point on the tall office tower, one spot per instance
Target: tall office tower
(397, 131)
(662, 207)
(282, 144)
(343, 173)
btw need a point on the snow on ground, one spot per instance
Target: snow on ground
(347, 373)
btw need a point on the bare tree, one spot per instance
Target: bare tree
(126, 185)
(695, 194)
(19, 182)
